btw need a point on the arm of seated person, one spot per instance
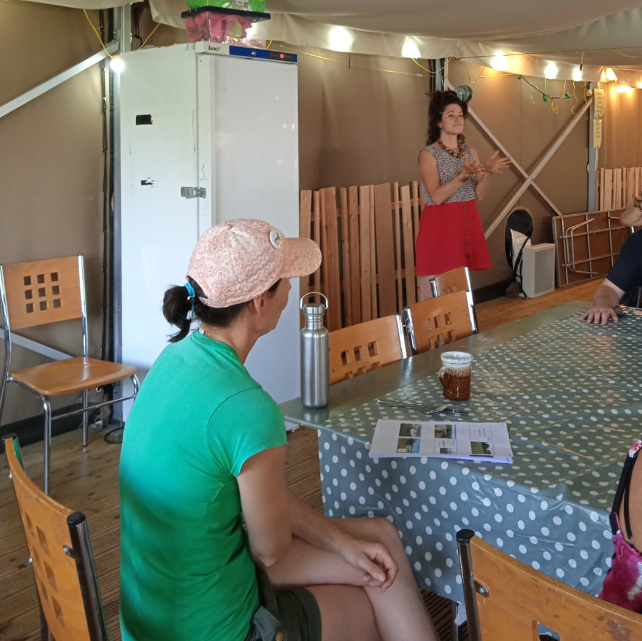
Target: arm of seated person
(265, 505)
(632, 217)
(606, 297)
(373, 558)
(313, 527)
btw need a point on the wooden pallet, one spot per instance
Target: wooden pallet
(616, 188)
(367, 236)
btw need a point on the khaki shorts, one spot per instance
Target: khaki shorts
(284, 615)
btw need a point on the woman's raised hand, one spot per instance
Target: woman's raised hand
(495, 164)
(469, 169)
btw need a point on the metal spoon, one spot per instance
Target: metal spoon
(418, 407)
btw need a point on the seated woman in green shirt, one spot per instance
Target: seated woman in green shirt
(204, 453)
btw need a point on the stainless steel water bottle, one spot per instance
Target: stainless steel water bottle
(315, 371)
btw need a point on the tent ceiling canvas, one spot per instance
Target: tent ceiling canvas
(471, 19)
(606, 33)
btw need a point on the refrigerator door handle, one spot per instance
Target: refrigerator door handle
(193, 192)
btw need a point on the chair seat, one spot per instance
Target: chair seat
(71, 375)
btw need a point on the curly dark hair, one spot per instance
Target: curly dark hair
(440, 100)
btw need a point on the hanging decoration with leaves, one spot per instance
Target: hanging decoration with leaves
(545, 95)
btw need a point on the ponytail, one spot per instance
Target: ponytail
(177, 306)
(180, 309)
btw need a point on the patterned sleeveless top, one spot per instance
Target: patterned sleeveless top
(448, 166)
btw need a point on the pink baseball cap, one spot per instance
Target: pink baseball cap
(238, 260)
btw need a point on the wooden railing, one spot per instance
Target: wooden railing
(617, 187)
(367, 237)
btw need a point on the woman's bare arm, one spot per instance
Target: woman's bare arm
(430, 176)
(266, 506)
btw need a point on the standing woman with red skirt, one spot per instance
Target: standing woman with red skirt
(452, 179)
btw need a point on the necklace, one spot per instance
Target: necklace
(455, 153)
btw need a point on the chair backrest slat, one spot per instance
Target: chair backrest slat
(438, 321)
(366, 346)
(44, 291)
(518, 598)
(456, 280)
(52, 553)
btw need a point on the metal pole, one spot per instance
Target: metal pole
(441, 73)
(592, 163)
(123, 26)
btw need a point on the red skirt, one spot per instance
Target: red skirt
(451, 236)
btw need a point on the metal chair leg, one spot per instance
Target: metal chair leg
(136, 384)
(3, 387)
(46, 406)
(85, 418)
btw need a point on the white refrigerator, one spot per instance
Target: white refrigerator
(207, 133)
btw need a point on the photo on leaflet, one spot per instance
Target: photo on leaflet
(409, 430)
(407, 445)
(479, 448)
(445, 431)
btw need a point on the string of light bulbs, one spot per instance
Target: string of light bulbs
(351, 65)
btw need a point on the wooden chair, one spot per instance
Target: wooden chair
(456, 280)
(43, 292)
(438, 321)
(505, 600)
(61, 558)
(361, 348)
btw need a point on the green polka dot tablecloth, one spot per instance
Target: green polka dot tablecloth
(571, 395)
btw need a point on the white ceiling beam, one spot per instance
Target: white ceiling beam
(503, 149)
(538, 168)
(47, 85)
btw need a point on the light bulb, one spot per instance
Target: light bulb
(550, 72)
(116, 64)
(341, 39)
(410, 49)
(499, 61)
(610, 75)
(577, 74)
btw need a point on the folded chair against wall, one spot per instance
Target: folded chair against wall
(438, 321)
(505, 600)
(50, 291)
(456, 280)
(61, 558)
(366, 346)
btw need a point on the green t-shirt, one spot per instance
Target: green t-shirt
(186, 570)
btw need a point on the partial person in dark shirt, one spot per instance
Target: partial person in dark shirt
(625, 276)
